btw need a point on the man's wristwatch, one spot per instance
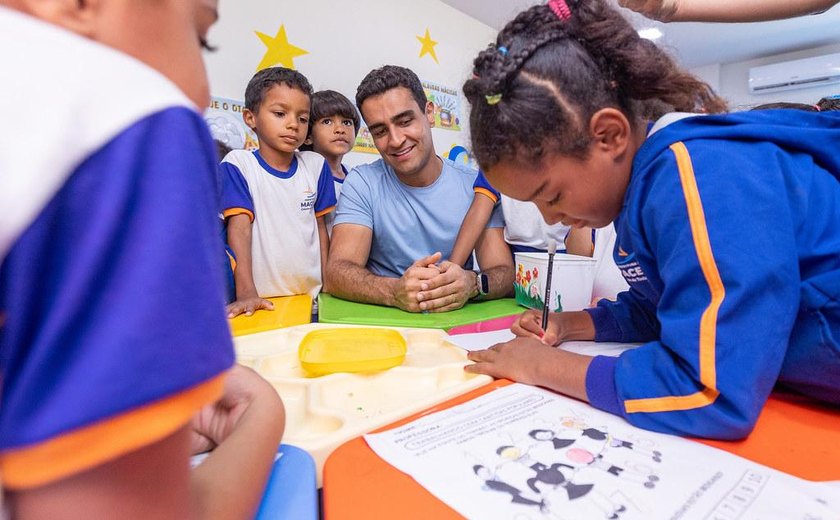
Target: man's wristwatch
(482, 284)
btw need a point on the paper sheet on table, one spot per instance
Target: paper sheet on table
(483, 340)
(526, 453)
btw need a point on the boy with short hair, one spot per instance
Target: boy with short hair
(112, 325)
(275, 198)
(332, 133)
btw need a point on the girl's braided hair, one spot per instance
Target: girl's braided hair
(535, 90)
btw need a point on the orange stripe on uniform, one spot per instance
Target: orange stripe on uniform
(230, 212)
(106, 440)
(708, 321)
(487, 193)
(324, 211)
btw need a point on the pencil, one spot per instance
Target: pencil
(552, 248)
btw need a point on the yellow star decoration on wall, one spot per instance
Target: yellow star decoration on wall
(279, 50)
(428, 46)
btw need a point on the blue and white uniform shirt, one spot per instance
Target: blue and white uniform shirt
(283, 207)
(525, 228)
(112, 324)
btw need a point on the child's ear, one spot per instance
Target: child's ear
(78, 16)
(249, 118)
(611, 131)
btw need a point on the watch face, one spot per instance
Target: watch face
(483, 283)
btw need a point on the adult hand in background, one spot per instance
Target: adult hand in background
(662, 10)
(413, 280)
(449, 290)
(725, 10)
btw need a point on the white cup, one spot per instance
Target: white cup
(571, 281)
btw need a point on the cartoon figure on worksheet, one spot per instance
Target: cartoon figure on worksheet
(600, 435)
(552, 478)
(492, 482)
(585, 457)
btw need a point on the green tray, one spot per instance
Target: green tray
(336, 310)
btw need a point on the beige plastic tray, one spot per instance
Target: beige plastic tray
(324, 412)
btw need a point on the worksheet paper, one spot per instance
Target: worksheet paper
(483, 340)
(521, 452)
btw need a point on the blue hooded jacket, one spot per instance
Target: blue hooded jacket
(730, 240)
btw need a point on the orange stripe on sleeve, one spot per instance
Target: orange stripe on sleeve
(324, 211)
(487, 193)
(106, 440)
(238, 211)
(708, 321)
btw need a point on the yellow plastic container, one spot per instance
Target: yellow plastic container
(327, 351)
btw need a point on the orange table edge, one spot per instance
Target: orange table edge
(792, 435)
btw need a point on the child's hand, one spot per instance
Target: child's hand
(529, 325)
(215, 422)
(518, 360)
(562, 326)
(248, 306)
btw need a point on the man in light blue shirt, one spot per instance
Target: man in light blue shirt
(399, 216)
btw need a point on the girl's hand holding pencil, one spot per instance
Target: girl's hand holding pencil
(562, 326)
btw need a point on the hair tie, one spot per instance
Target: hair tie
(494, 99)
(502, 50)
(818, 108)
(560, 8)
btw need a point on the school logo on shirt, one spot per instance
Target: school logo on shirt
(308, 200)
(629, 267)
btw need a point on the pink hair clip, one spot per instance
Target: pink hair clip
(560, 8)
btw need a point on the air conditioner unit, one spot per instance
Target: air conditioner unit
(789, 75)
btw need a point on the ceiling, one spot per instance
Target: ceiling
(698, 44)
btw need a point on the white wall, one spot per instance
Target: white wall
(710, 74)
(346, 40)
(733, 81)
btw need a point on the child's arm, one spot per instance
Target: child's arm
(155, 481)
(579, 242)
(533, 357)
(324, 238)
(325, 203)
(239, 239)
(474, 223)
(244, 428)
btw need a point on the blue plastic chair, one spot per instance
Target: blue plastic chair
(292, 490)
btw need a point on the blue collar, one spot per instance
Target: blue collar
(277, 173)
